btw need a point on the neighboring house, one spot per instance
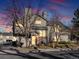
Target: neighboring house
(65, 35)
(4, 37)
(58, 31)
(7, 36)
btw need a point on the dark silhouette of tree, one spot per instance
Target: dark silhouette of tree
(75, 20)
(75, 27)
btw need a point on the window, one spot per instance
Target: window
(56, 29)
(33, 40)
(42, 33)
(38, 22)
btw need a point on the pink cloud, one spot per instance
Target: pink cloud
(63, 17)
(61, 2)
(8, 29)
(67, 17)
(4, 19)
(34, 10)
(57, 1)
(3, 15)
(2, 22)
(53, 7)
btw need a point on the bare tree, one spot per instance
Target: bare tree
(22, 25)
(55, 30)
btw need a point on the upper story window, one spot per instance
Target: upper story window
(38, 22)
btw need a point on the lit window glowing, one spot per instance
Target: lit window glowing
(33, 40)
(38, 22)
(42, 33)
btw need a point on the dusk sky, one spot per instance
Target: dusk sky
(62, 8)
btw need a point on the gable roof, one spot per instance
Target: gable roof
(52, 22)
(33, 20)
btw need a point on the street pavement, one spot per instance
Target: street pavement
(11, 57)
(42, 54)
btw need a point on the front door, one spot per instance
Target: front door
(33, 42)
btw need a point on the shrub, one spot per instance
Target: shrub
(61, 45)
(64, 42)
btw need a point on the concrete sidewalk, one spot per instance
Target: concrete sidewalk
(25, 50)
